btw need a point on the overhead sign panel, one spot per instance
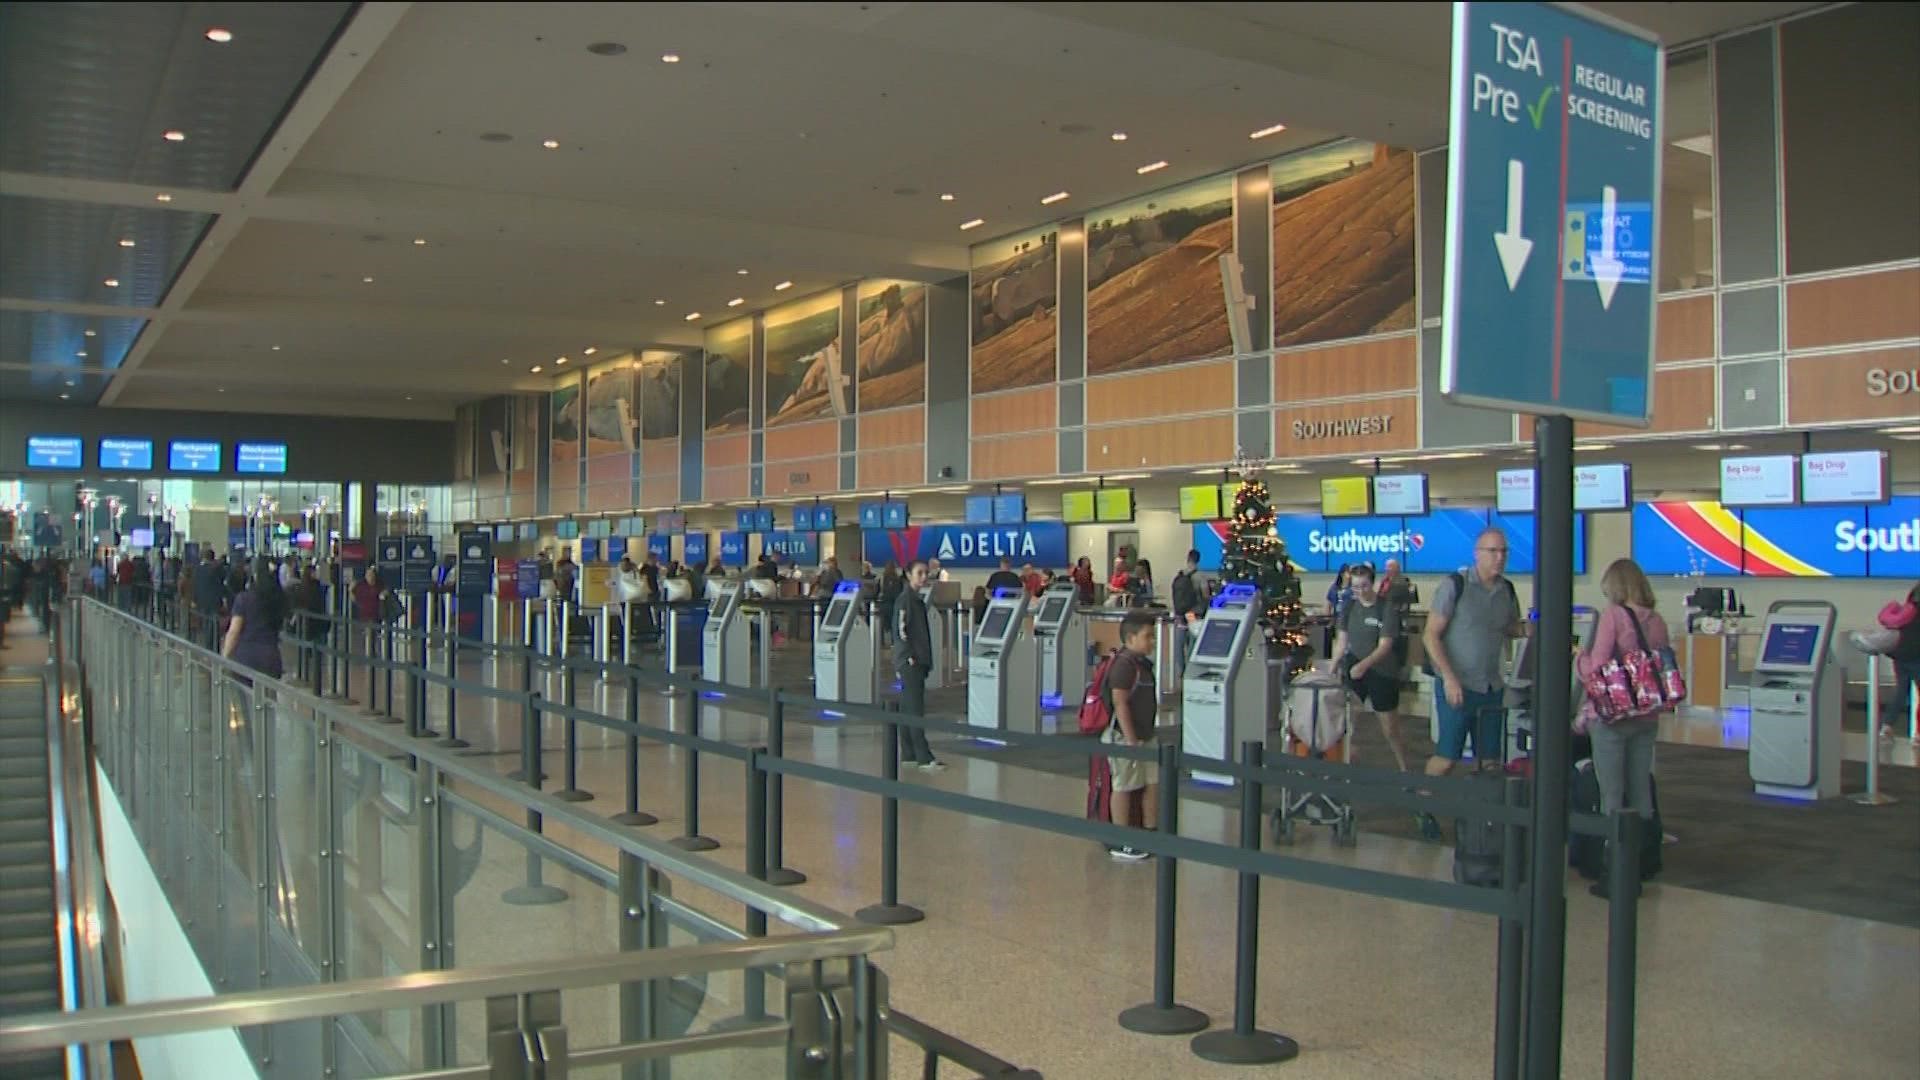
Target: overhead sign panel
(53, 452)
(1404, 494)
(1758, 481)
(1552, 178)
(1858, 477)
(130, 454)
(260, 458)
(192, 456)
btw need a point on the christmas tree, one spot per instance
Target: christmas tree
(1256, 555)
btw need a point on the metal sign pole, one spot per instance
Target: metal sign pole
(1553, 584)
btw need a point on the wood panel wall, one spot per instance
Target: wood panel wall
(794, 441)
(895, 427)
(1822, 389)
(893, 448)
(1391, 423)
(1881, 306)
(1196, 440)
(1014, 457)
(1037, 409)
(1684, 399)
(801, 476)
(726, 451)
(727, 485)
(1685, 329)
(1177, 391)
(1348, 369)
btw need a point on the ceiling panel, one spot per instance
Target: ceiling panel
(56, 340)
(66, 252)
(51, 386)
(86, 89)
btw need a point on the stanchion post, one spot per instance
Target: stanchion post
(1873, 796)
(692, 840)
(530, 770)
(1623, 939)
(453, 741)
(534, 890)
(890, 911)
(1162, 1015)
(572, 792)
(1244, 1044)
(633, 815)
(777, 872)
(754, 989)
(417, 678)
(1553, 584)
(1508, 1003)
(386, 665)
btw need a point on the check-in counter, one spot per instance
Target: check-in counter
(1718, 666)
(1169, 640)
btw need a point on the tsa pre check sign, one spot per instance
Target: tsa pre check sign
(1553, 179)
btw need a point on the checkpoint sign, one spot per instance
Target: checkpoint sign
(416, 572)
(1553, 176)
(390, 553)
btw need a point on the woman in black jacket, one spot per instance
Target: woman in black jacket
(1906, 659)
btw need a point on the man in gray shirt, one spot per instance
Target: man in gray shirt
(1363, 650)
(1474, 612)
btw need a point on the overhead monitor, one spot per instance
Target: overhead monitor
(1759, 481)
(996, 624)
(503, 533)
(1602, 487)
(1216, 641)
(1346, 496)
(1113, 504)
(694, 550)
(260, 458)
(1076, 507)
(123, 453)
(763, 520)
(1400, 494)
(979, 510)
(835, 612)
(1790, 645)
(1010, 509)
(567, 529)
(1200, 502)
(1513, 491)
(53, 452)
(193, 456)
(1051, 611)
(529, 530)
(872, 515)
(1855, 477)
(141, 537)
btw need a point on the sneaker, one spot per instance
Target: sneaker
(1429, 825)
(931, 766)
(1129, 854)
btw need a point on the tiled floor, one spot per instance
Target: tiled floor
(1034, 942)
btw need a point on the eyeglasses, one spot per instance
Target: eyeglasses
(1492, 550)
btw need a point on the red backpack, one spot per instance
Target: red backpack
(1096, 709)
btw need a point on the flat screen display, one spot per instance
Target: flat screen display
(1513, 491)
(529, 530)
(1404, 495)
(196, 457)
(53, 452)
(979, 510)
(1076, 507)
(567, 530)
(1010, 509)
(1790, 644)
(260, 458)
(1859, 477)
(1113, 504)
(720, 605)
(135, 454)
(1602, 487)
(763, 520)
(1050, 612)
(141, 538)
(1216, 641)
(823, 519)
(503, 533)
(835, 612)
(996, 624)
(1200, 502)
(1346, 496)
(1759, 481)
(872, 515)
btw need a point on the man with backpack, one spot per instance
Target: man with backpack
(1189, 605)
(913, 658)
(1474, 612)
(1131, 696)
(1364, 653)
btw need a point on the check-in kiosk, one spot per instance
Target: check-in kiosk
(1522, 700)
(1060, 636)
(1225, 698)
(843, 650)
(943, 599)
(725, 649)
(1793, 737)
(1003, 679)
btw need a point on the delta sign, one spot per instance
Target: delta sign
(1705, 537)
(1436, 543)
(969, 547)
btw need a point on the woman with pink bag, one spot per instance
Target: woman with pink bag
(1623, 747)
(1904, 619)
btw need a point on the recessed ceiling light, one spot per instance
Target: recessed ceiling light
(974, 224)
(535, 369)
(659, 303)
(742, 271)
(219, 35)
(174, 135)
(1266, 131)
(559, 360)
(607, 48)
(112, 283)
(64, 397)
(783, 286)
(670, 58)
(419, 241)
(126, 241)
(89, 333)
(550, 144)
(276, 348)
(1151, 166)
(1118, 136)
(70, 382)
(220, 390)
(590, 350)
(736, 301)
(506, 361)
(946, 196)
(496, 136)
(163, 197)
(368, 280)
(1057, 196)
(692, 315)
(82, 354)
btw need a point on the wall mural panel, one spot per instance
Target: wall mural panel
(493, 436)
(803, 357)
(658, 377)
(524, 449)
(565, 403)
(613, 422)
(1342, 243)
(1153, 278)
(466, 421)
(1015, 291)
(892, 353)
(729, 370)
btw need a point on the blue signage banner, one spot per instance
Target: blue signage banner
(695, 547)
(590, 549)
(969, 547)
(616, 548)
(661, 548)
(1436, 543)
(53, 452)
(873, 515)
(416, 571)
(733, 548)
(1551, 190)
(1704, 537)
(795, 548)
(526, 578)
(389, 553)
(893, 514)
(823, 519)
(476, 561)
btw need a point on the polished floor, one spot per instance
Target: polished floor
(1033, 942)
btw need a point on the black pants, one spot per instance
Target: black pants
(913, 702)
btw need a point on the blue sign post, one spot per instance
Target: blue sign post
(1553, 178)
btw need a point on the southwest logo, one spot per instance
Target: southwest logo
(1416, 541)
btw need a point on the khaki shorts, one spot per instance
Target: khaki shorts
(1128, 774)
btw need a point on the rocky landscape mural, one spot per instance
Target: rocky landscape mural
(524, 447)
(729, 371)
(564, 403)
(1015, 294)
(466, 420)
(892, 344)
(493, 436)
(1342, 243)
(803, 354)
(657, 383)
(1153, 278)
(612, 425)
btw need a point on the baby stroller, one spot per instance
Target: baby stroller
(1318, 724)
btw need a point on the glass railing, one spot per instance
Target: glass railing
(367, 904)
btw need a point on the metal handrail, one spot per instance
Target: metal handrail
(48, 1031)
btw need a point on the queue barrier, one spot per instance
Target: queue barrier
(1452, 796)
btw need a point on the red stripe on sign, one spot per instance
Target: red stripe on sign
(1560, 223)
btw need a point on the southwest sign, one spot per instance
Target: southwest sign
(1705, 537)
(1436, 543)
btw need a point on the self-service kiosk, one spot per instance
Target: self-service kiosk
(1003, 683)
(1226, 696)
(843, 650)
(1060, 637)
(1793, 735)
(725, 649)
(942, 598)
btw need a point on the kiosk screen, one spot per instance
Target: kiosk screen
(1052, 611)
(835, 612)
(996, 624)
(1790, 644)
(720, 605)
(1216, 641)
